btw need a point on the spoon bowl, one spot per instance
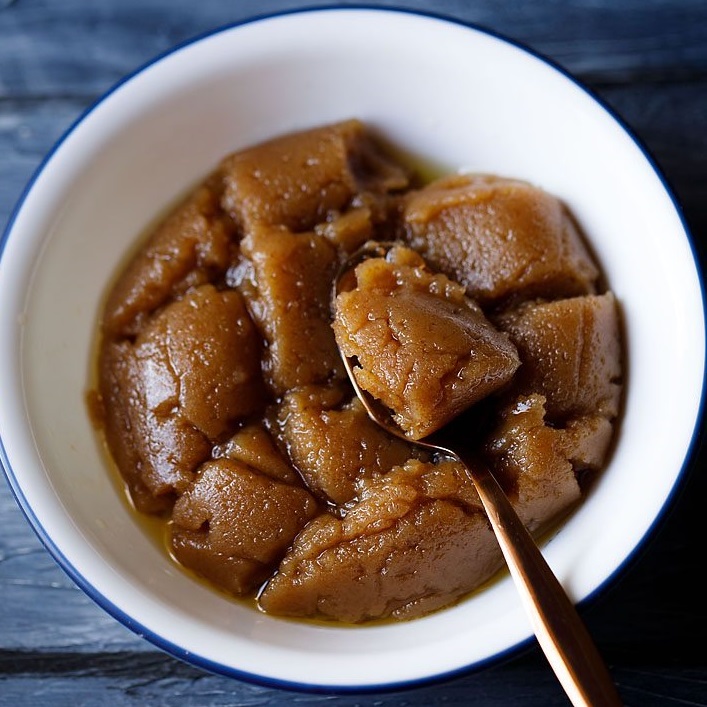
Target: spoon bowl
(560, 631)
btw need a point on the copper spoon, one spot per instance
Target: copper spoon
(560, 631)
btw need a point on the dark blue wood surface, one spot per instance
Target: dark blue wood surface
(648, 60)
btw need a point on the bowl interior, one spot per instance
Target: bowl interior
(448, 94)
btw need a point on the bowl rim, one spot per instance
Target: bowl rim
(688, 466)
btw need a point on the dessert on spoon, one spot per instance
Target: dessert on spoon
(418, 352)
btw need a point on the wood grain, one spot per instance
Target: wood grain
(648, 61)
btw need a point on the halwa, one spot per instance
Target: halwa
(227, 410)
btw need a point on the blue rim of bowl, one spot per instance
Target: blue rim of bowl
(218, 668)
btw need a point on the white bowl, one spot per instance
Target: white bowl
(451, 94)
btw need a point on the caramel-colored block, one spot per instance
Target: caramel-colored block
(253, 446)
(334, 444)
(538, 463)
(191, 374)
(302, 178)
(289, 296)
(424, 349)
(232, 524)
(190, 247)
(501, 238)
(416, 541)
(571, 353)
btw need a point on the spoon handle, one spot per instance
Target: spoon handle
(560, 631)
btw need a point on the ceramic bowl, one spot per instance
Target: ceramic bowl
(454, 95)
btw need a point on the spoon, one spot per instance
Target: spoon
(560, 631)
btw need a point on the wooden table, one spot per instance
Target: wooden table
(648, 60)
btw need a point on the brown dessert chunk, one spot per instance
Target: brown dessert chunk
(570, 351)
(423, 348)
(253, 446)
(232, 525)
(192, 372)
(302, 179)
(528, 457)
(289, 298)
(416, 540)
(500, 238)
(223, 398)
(191, 247)
(334, 444)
